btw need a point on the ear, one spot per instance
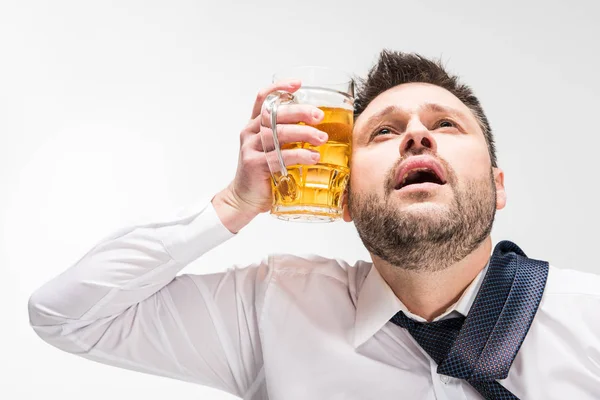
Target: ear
(345, 209)
(500, 190)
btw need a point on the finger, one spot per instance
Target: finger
(287, 85)
(253, 125)
(300, 133)
(251, 129)
(295, 113)
(294, 157)
(300, 156)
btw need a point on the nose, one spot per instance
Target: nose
(417, 139)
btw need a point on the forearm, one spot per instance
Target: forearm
(123, 305)
(126, 268)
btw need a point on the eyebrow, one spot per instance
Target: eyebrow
(437, 108)
(431, 107)
(373, 119)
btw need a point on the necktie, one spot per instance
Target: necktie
(481, 347)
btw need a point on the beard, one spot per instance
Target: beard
(425, 241)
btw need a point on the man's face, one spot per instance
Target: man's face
(446, 205)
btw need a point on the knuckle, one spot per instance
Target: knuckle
(309, 110)
(255, 161)
(244, 134)
(246, 154)
(261, 95)
(264, 92)
(314, 132)
(299, 154)
(283, 132)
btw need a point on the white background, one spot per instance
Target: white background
(116, 111)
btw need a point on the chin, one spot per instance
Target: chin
(424, 198)
(426, 206)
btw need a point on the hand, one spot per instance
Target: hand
(250, 191)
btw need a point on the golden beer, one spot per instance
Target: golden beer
(311, 193)
(319, 187)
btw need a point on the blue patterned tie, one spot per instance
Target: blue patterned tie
(481, 347)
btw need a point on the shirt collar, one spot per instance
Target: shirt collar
(377, 304)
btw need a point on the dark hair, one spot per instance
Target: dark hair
(395, 68)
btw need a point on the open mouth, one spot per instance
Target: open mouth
(419, 175)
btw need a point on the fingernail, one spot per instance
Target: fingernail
(323, 136)
(318, 114)
(315, 156)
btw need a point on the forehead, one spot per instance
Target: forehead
(411, 97)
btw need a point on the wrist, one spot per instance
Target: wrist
(231, 213)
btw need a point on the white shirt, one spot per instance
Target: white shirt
(289, 327)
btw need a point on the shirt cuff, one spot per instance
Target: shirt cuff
(197, 231)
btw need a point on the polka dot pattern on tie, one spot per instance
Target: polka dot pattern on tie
(481, 347)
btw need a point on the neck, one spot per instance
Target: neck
(429, 294)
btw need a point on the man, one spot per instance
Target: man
(423, 193)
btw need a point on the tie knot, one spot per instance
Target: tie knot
(436, 337)
(451, 324)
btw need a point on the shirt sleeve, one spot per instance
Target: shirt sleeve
(123, 304)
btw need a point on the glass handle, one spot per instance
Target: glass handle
(283, 181)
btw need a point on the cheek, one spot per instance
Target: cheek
(468, 159)
(368, 171)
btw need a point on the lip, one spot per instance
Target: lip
(419, 187)
(416, 162)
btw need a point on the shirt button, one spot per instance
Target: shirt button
(445, 379)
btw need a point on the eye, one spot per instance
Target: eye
(380, 132)
(445, 123)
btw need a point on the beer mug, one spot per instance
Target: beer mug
(311, 193)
